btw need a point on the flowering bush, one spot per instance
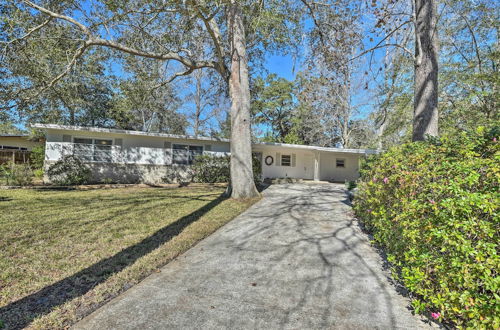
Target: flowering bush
(433, 206)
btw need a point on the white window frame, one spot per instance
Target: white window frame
(343, 163)
(93, 147)
(289, 160)
(188, 145)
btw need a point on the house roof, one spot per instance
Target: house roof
(200, 138)
(124, 131)
(14, 135)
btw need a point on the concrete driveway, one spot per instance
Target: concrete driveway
(295, 260)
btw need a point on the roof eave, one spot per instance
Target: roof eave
(126, 132)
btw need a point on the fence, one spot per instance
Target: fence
(16, 156)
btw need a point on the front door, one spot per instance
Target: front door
(308, 167)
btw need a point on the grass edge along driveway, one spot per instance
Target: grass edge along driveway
(63, 254)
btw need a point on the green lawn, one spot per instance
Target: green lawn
(64, 253)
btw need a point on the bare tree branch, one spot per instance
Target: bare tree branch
(406, 50)
(380, 45)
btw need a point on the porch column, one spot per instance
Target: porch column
(316, 165)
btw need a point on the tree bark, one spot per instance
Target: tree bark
(425, 106)
(242, 181)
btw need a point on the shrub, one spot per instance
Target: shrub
(216, 169)
(350, 185)
(433, 206)
(38, 173)
(211, 169)
(178, 174)
(37, 157)
(69, 170)
(17, 174)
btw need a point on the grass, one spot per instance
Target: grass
(65, 253)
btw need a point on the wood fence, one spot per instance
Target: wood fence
(16, 156)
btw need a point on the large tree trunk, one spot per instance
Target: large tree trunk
(242, 181)
(425, 107)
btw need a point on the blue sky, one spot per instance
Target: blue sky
(281, 65)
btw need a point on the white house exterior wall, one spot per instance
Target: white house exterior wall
(303, 169)
(136, 157)
(134, 149)
(329, 171)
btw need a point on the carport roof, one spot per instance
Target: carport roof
(316, 148)
(200, 138)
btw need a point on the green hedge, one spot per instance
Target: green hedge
(209, 168)
(434, 208)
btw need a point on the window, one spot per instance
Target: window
(184, 154)
(12, 148)
(339, 162)
(102, 150)
(286, 160)
(93, 150)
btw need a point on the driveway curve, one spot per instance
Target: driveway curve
(295, 260)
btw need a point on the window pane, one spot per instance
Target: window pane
(9, 147)
(103, 142)
(180, 147)
(194, 151)
(80, 140)
(83, 151)
(286, 160)
(340, 163)
(180, 154)
(102, 153)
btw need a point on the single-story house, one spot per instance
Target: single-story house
(16, 148)
(17, 142)
(135, 156)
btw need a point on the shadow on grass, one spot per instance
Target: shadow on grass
(21, 313)
(5, 199)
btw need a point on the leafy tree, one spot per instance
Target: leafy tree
(273, 105)
(81, 98)
(145, 102)
(9, 128)
(400, 25)
(470, 56)
(236, 31)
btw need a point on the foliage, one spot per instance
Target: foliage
(434, 207)
(350, 185)
(212, 169)
(38, 173)
(273, 105)
(37, 156)
(139, 105)
(69, 170)
(17, 174)
(178, 174)
(7, 127)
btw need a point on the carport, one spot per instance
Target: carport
(309, 162)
